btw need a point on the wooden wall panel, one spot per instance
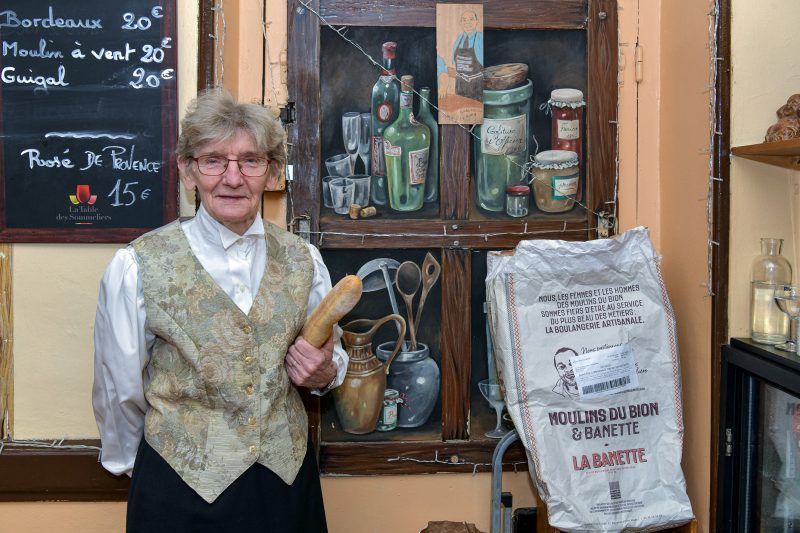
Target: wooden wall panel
(454, 179)
(456, 342)
(74, 474)
(6, 342)
(303, 78)
(720, 260)
(512, 14)
(416, 458)
(206, 47)
(601, 105)
(448, 233)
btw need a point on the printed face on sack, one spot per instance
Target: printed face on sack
(564, 365)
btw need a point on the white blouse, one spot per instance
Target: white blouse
(123, 341)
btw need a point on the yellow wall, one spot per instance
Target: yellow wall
(683, 187)
(663, 127)
(55, 293)
(764, 199)
(663, 185)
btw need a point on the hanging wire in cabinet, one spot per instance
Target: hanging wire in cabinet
(57, 444)
(453, 460)
(456, 243)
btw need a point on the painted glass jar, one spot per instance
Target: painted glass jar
(555, 180)
(517, 200)
(415, 375)
(501, 145)
(567, 126)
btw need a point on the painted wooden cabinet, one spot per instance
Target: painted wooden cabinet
(565, 43)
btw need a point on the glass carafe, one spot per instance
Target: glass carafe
(768, 325)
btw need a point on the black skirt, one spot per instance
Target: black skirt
(258, 501)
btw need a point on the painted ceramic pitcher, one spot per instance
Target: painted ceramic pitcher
(359, 399)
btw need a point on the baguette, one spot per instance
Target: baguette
(337, 303)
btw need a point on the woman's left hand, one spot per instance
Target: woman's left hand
(310, 367)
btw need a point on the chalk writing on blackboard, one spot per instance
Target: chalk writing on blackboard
(88, 94)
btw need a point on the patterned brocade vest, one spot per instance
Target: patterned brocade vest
(220, 399)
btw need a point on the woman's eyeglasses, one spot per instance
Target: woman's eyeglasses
(216, 165)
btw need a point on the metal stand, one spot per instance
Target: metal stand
(501, 501)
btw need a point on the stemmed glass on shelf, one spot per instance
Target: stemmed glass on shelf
(351, 126)
(787, 298)
(493, 394)
(365, 139)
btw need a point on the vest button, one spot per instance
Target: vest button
(247, 328)
(249, 390)
(252, 450)
(248, 360)
(251, 421)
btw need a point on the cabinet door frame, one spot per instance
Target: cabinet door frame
(453, 232)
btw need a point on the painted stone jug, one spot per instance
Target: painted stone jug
(416, 376)
(359, 399)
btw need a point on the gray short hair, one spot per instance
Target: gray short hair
(215, 115)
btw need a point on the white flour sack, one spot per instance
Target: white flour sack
(586, 348)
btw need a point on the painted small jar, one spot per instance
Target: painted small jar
(517, 200)
(387, 420)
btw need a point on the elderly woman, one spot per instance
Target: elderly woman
(196, 347)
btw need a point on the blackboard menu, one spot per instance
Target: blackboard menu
(88, 92)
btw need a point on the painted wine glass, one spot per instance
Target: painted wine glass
(787, 298)
(350, 134)
(493, 394)
(365, 139)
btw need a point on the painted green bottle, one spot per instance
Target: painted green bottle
(384, 104)
(406, 145)
(426, 117)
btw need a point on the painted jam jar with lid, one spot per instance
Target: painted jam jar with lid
(567, 106)
(555, 180)
(501, 145)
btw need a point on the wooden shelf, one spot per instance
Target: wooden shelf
(784, 154)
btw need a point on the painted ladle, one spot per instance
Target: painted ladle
(408, 279)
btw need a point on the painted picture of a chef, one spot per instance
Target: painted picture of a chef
(459, 62)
